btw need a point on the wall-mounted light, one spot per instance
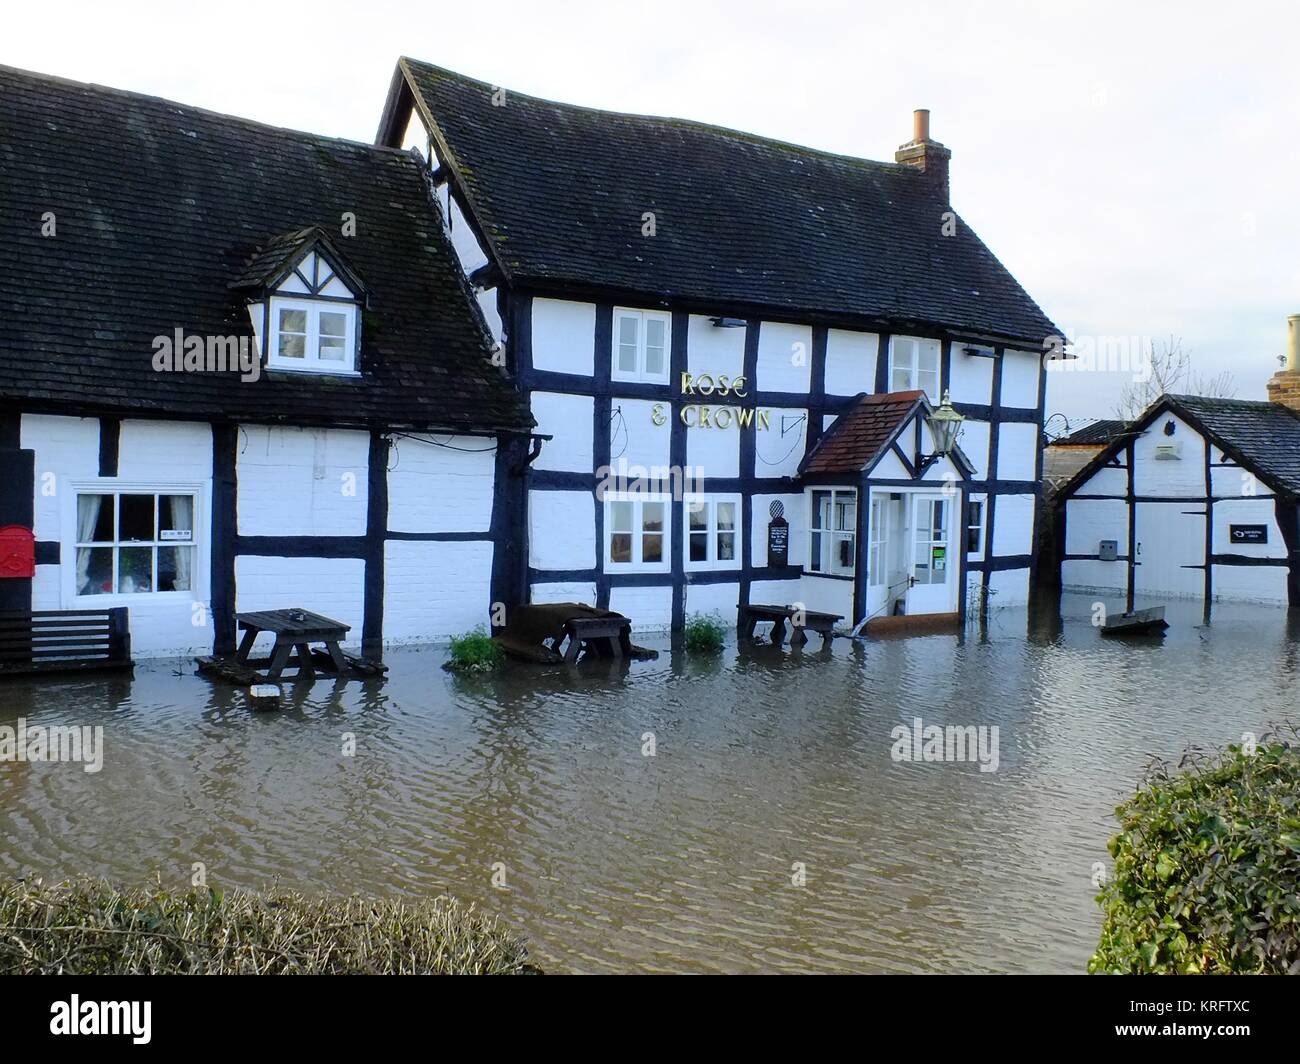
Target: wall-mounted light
(945, 424)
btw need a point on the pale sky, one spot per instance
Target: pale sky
(1133, 164)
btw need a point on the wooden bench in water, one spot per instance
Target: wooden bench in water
(294, 630)
(801, 622)
(64, 640)
(554, 632)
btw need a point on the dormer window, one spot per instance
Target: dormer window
(314, 335)
(307, 317)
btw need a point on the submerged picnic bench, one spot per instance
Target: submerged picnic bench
(294, 630)
(554, 632)
(800, 622)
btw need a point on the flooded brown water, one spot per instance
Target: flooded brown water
(680, 862)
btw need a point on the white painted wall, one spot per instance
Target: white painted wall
(649, 607)
(301, 482)
(1020, 372)
(568, 418)
(564, 336)
(561, 529)
(777, 455)
(633, 435)
(712, 349)
(1017, 450)
(434, 589)
(721, 599)
(784, 357)
(715, 451)
(442, 486)
(562, 592)
(851, 362)
(971, 377)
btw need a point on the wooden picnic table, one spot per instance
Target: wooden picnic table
(800, 621)
(294, 630)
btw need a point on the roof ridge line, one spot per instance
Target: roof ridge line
(57, 79)
(694, 123)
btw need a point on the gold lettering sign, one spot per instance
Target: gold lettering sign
(703, 416)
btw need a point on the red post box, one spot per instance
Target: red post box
(17, 552)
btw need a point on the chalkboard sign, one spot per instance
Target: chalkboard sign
(1248, 533)
(778, 537)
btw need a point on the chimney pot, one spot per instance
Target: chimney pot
(1284, 386)
(926, 155)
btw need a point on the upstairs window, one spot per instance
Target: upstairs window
(914, 364)
(313, 336)
(640, 346)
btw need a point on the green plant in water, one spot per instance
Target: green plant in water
(1207, 868)
(704, 633)
(475, 651)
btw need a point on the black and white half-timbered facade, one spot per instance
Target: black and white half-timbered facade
(681, 304)
(240, 370)
(1197, 498)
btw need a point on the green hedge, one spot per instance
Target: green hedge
(1207, 868)
(87, 927)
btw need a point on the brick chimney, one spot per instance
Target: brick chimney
(1284, 387)
(928, 156)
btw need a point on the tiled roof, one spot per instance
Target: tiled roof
(1097, 434)
(561, 193)
(861, 433)
(1266, 436)
(159, 207)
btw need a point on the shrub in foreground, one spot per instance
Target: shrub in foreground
(475, 651)
(704, 633)
(88, 927)
(1207, 869)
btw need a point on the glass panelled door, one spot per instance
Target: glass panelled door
(934, 568)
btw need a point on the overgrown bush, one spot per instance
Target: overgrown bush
(704, 633)
(87, 927)
(475, 651)
(1207, 868)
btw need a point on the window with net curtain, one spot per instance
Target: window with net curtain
(134, 543)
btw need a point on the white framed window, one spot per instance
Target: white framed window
(641, 341)
(712, 532)
(637, 532)
(832, 531)
(914, 363)
(877, 539)
(975, 526)
(313, 336)
(136, 542)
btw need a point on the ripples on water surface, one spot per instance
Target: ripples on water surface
(682, 861)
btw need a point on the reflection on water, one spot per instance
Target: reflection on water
(682, 861)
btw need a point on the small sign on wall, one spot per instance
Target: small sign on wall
(778, 537)
(1248, 533)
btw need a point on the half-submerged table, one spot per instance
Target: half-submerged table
(800, 620)
(294, 630)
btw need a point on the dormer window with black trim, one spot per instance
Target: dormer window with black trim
(307, 319)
